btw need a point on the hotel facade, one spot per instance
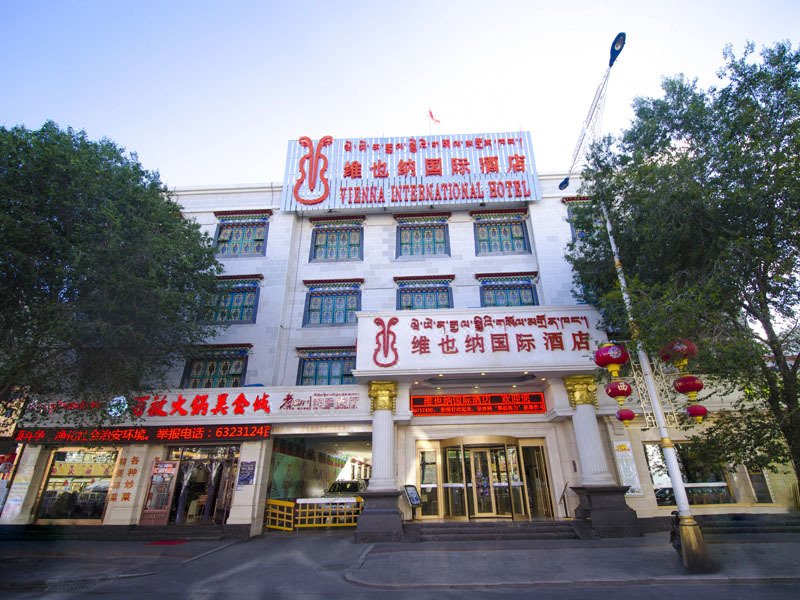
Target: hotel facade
(397, 310)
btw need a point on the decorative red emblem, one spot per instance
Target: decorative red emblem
(317, 164)
(385, 354)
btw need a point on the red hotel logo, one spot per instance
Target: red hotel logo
(317, 164)
(385, 343)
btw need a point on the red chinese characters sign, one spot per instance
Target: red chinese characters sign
(382, 172)
(521, 339)
(142, 435)
(478, 404)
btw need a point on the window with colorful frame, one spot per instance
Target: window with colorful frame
(500, 232)
(216, 366)
(326, 366)
(332, 302)
(508, 289)
(242, 233)
(424, 292)
(237, 299)
(337, 239)
(422, 235)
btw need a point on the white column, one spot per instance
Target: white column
(383, 395)
(247, 504)
(594, 466)
(21, 499)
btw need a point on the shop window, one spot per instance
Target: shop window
(704, 483)
(422, 236)
(237, 300)
(337, 240)
(514, 289)
(242, 234)
(332, 302)
(216, 367)
(414, 293)
(500, 232)
(326, 366)
(77, 484)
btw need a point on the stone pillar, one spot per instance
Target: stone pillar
(246, 517)
(602, 502)
(582, 391)
(381, 520)
(21, 499)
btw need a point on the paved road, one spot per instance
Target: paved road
(328, 565)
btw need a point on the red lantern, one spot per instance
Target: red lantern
(619, 390)
(697, 411)
(626, 415)
(678, 352)
(611, 357)
(689, 385)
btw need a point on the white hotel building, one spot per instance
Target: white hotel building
(399, 309)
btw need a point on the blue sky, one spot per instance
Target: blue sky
(209, 92)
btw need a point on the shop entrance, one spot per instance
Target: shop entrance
(194, 485)
(483, 477)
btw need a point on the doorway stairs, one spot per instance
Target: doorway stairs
(467, 531)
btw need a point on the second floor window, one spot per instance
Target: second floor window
(242, 233)
(326, 366)
(415, 293)
(332, 302)
(215, 368)
(337, 239)
(500, 232)
(422, 236)
(237, 300)
(513, 289)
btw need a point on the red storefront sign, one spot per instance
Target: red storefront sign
(141, 435)
(478, 404)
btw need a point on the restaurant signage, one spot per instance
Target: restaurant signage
(434, 170)
(142, 435)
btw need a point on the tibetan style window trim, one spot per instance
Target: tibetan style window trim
(237, 300)
(424, 292)
(570, 202)
(421, 235)
(337, 239)
(331, 303)
(216, 366)
(500, 232)
(242, 233)
(508, 289)
(326, 366)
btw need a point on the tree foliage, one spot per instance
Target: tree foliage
(102, 282)
(703, 193)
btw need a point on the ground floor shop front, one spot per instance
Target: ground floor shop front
(463, 467)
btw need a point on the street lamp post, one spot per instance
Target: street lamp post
(693, 549)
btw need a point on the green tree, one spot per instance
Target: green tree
(703, 193)
(102, 282)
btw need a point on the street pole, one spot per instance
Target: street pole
(693, 549)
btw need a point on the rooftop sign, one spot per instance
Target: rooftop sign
(396, 172)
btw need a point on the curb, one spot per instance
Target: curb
(676, 580)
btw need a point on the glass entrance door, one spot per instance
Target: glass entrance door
(483, 482)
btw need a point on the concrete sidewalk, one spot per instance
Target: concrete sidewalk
(649, 560)
(752, 558)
